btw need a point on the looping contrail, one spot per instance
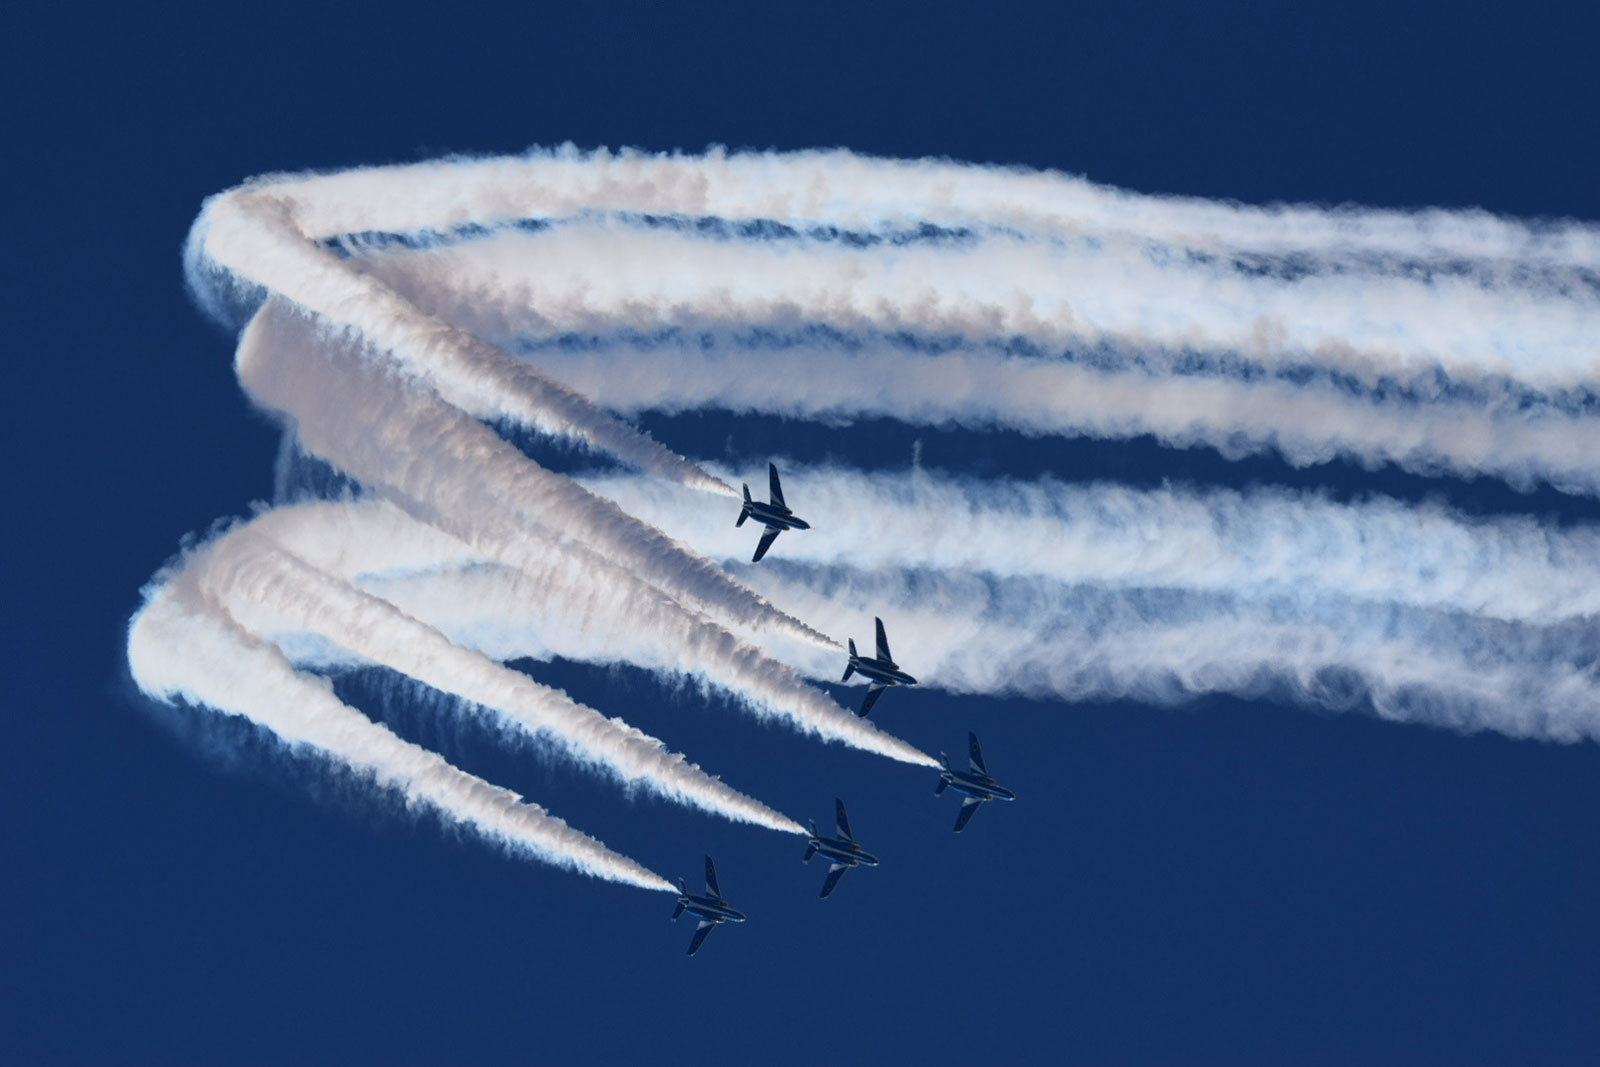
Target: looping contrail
(392, 312)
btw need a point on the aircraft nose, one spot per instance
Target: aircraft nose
(736, 916)
(910, 680)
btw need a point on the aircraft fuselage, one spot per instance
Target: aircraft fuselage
(775, 518)
(976, 785)
(841, 851)
(879, 671)
(710, 909)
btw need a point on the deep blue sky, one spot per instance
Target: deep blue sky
(1225, 882)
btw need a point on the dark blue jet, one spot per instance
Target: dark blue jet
(842, 850)
(776, 516)
(883, 670)
(711, 908)
(975, 783)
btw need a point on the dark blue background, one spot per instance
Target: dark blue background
(1223, 882)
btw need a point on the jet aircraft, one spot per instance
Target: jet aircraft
(711, 909)
(776, 516)
(842, 850)
(975, 783)
(883, 671)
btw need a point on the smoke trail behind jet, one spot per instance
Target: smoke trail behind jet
(392, 312)
(1259, 542)
(181, 646)
(269, 590)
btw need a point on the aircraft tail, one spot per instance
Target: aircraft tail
(811, 850)
(850, 668)
(943, 781)
(677, 911)
(744, 512)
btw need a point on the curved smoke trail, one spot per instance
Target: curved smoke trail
(392, 312)
(183, 645)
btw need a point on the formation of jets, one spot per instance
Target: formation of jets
(842, 851)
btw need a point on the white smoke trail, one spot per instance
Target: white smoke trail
(1046, 639)
(1076, 593)
(269, 590)
(863, 193)
(824, 285)
(567, 603)
(1303, 423)
(975, 633)
(1432, 370)
(255, 235)
(181, 646)
(1374, 294)
(1262, 542)
(1116, 291)
(450, 470)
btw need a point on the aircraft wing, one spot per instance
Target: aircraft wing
(975, 755)
(711, 879)
(873, 693)
(883, 643)
(700, 933)
(841, 820)
(765, 543)
(777, 490)
(968, 806)
(834, 874)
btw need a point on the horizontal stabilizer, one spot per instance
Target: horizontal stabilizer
(941, 786)
(677, 911)
(811, 850)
